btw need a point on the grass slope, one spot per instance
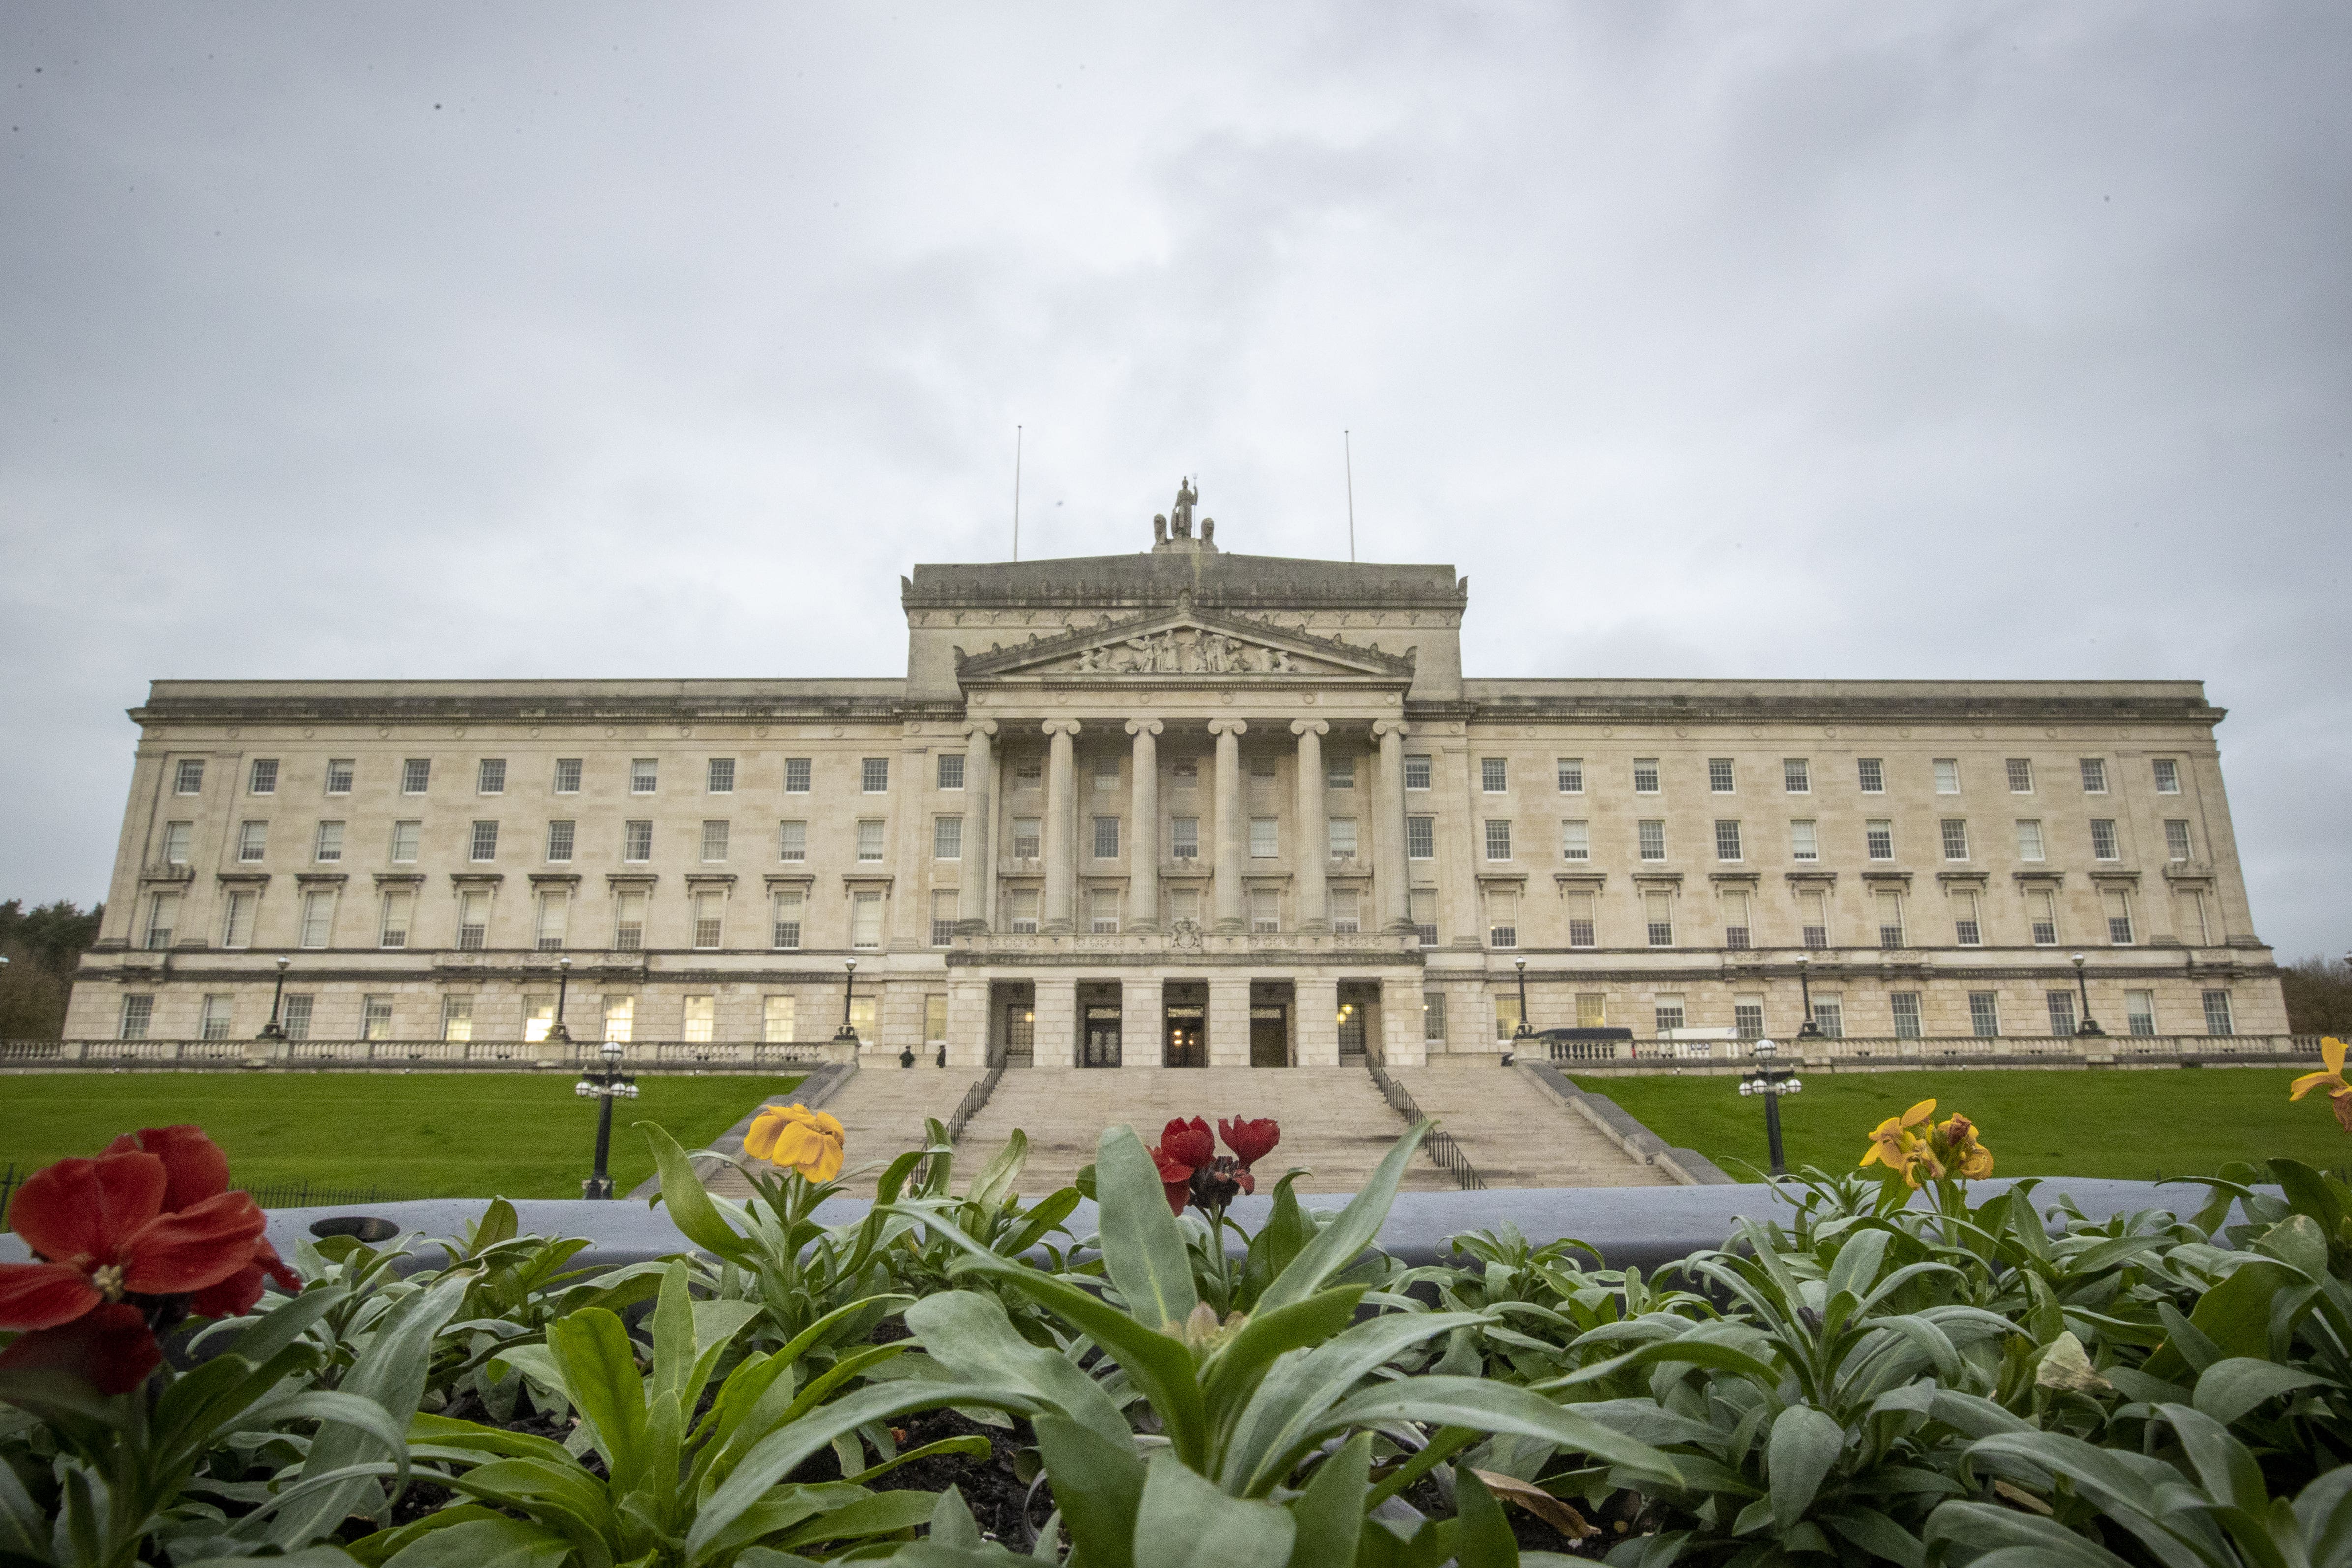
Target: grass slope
(2141, 1125)
(423, 1135)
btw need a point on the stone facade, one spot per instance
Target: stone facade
(1182, 805)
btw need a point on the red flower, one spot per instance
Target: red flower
(1185, 1147)
(1250, 1140)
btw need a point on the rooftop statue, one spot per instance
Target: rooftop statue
(1181, 520)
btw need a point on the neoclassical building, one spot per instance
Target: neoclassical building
(1175, 807)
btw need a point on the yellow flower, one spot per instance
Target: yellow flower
(797, 1138)
(1895, 1145)
(1962, 1153)
(2340, 1093)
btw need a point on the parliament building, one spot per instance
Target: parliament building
(1175, 808)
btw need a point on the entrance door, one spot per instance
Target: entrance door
(1019, 1034)
(1269, 1036)
(1102, 1037)
(1186, 1046)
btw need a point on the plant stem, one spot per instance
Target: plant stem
(1442, 1445)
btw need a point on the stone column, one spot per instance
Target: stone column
(1143, 829)
(1142, 1022)
(1227, 880)
(1317, 998)
(974, 901)
(1061, 832)
(1312, 857)
(1392, 906)
(1056, 1033)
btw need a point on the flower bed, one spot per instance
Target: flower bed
(1152, 1368)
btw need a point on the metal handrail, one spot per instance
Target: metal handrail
(973, 1099)
(1439, 1145)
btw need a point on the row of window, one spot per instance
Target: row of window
(1804, 838)
(1797, 775)
(490, 775)
(1671, 1018)
(612, 1018)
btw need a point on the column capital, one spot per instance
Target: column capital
(1229, 726)
(1144, 726)
(980, 726)
(1060, 726)
(1310, 726)
(1386, 727)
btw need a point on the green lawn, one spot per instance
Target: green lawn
(2142, 1125)
(423, 1135)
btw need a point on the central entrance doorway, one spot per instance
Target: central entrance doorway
(1187, 1007)
(1269, 1034)
(1100, 1006)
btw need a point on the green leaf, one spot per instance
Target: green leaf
(1804, 1448)
(1487, 1406)
(486, 1544)
(309, 1557)
(2014, 1539)
(1484, 1539)
(600, 1373)
(2229, 1388)
(1185, 1522)
(2233, 1316)
(951, 1521)
(878, 1514)
(969, 1334)
(1273, 1430)
(1235, 1369)
(2298, 1241)
(1330, 1511)
(1336, 1245)
(2227, 1469)
(1142, 1245)
(1880, 1536)
(1685, 1350)
(691, 1208)
(996, 1178)
(673, 1332)
(1099, 1486)
(1286, 1234)
(1858, 1261)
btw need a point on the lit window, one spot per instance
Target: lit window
(458, 1017)
(637, 840)
(874, 775)
(1265, 841)
(490, 777)
(252, 842)
(375, 1017)
(1421, 838)
(947, 838)
(1720, 776)
(392, 929)
(1984, 1015)
(1658, 911)
(1651, 835)
(1591, 1009)
(1506, 1016)
(415, 774)
(709, 918)
(620, 1018)
(777, 1018)
(1339, 773)
(187, 779)
(2217, 1013)
(869, 839)
(2029, 839)
(1416, 772)
(1955, 838)
(2176, 839)
(695, 1021)
(1796, 775)
(1804, 840)
(567, 776)
(1576, 841)
(1494, 775)
(2103, 839)
(484, 844)
(2167, 776)
(1571, 775)
(1025, 838)
(2094, 776)
(935, 1019)
(1105, 838)
(1726, 841)
(561, 836)
(1432, 1017)
(338, 776)
(1498, 839)
(1871, 773)
(263, 780)
(951, 775)
(791, 842)
(1948, 775)
(2021, 776)
(796, 775)
(1341, 832)
(1906, 1005)
(943, 918)
(326, 849)
(714, 841)
(1878, 837)
(1645, 775)
(138, 1012)
(1184, 838)
(785, 921)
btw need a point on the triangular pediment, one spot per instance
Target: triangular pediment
(1183, 641)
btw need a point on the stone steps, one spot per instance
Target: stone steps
(1515, 1133)
(881, 1111)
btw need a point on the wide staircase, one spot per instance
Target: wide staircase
(1515, 1133)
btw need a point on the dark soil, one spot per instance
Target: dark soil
(1616, 1518)
(991, 1489)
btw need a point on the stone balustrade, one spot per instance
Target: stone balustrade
(1875, 1054)
(411, 1055)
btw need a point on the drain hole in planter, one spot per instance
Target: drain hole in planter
(365, 1227)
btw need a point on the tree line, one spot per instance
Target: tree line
(43, 946)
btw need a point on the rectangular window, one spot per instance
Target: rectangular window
(490, 776)
(554, 922)
(791, 842)
(1184, 838)
(620, 1018)
(1580, 919)
(629, 921)
(218, 1017)
(1028, 772)
(391, 930)
(187, 778)
(1591, 1009)
(1025, 838)
(784, 920)
(710, 919)
(2194, 927)
(943, 918)
(1668, 1013)
(1658, 912)
(176, 839)
(1829, 1017)
(375, 1017)
(1955, 838)
(714, 841)
(866, 919)
(1813, 919)
(1186, 772)
(1870, 773)
(263, 779)
(2103, 839)
(1421, 838)
(252, 842)
(1264, 844)
(2094, 776)
(1747, 1017)
(719, 776)
(1105, 838)
(1432, 1017)
(1265, 910)
(2021, 776)
(1494, 775)
(1736, 931)
(696, 1019)
(415, 774)
(2176, 839)
(1890, 918)
(874, 775)
(1339, 772)
(327, 847)
(870, 832)
(457, 1017)
(1346, 905)
(1503, 918)
(1721, 778)
(1421, 906)
(947, 838)
(1102, 911)
(1906, 1005)
(1416, 772)
(2041, 914)
(1106, 772)
(1878, 837)
(1967, 929)
(1576, 841)
(473, 920)
(2139, 1012)
(796, 775)
(2217, 1013)
(318, 916)
(1727, 839)
(1984, 1015)
(1021, 910)
(645, 775)
(935, 1019)
(138, 1014)
(567, 776)
(2119, 920)
(560, 835)
(1651, 834)
(950, 770)
(1948, 775)
(2061, 1006)
(484, 843)
(1645, 775)
(1341, 832)
(1571, 775)
(162, 921)
(1804, 840)
(1506, 1016)
(861, 1015)
(1797, 775)
(1498, 839)
(338, 776)
(777, 1019)
(2029, 839)
(237, 928)
(2167, 776)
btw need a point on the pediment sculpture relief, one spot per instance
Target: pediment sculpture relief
(1177, 652)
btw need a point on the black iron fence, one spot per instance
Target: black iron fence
(974, 1098)
(269, 1195)
(1439, 1145)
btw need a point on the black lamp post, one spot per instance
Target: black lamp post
(845, 1035)
(1526, 1029)
(604, 1087)
(1771, 1086)
(2089, 1026)
(273, 1030)
(556, 1031)
(1809, 1030)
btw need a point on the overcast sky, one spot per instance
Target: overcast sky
(1920, 341)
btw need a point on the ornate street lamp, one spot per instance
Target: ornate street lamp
(1526, 1029)
(1809, 1030)
(2089, 1026)
(556, 1031)
(1772, 1087)
(604, 1087)
(845, 1035)
(273, 1030)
